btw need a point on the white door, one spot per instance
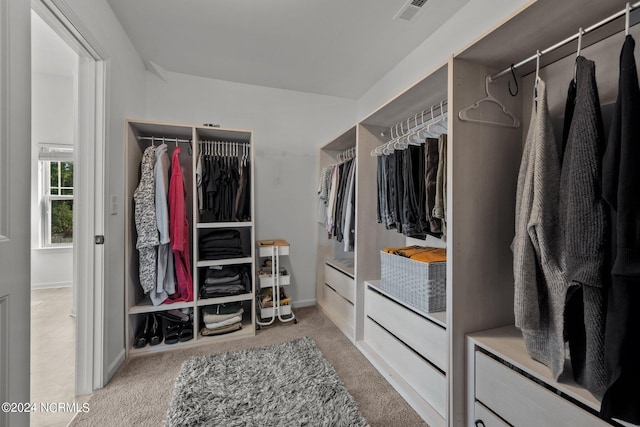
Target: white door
(15, 137)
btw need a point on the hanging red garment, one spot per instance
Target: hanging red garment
(179, 232)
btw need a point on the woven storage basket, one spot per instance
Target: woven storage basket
(419, 284)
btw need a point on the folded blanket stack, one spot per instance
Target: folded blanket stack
(222, 281)
(221, 318)
(220, 244)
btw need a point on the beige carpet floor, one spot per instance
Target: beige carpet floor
(139, 393)
(53, 346)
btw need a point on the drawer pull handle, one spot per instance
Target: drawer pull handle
(479, 423)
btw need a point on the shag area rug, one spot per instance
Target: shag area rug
(289, 384)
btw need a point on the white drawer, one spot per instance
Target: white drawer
(340, 310)
(426, 380)
(522, 402)
(483, 417)
(267, 251)
(343, 284)
(422, 335)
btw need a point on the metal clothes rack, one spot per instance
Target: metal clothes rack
(401, 132)
(225, 148)
(348, 154)
(626, 11)
(163, 139)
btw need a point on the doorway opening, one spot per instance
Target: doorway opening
(54, 114)
(67, 192)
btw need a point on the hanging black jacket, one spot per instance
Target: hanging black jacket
(621, 181)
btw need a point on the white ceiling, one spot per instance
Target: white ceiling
(332, 47)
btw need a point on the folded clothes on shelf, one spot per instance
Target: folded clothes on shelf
(225, 280)
(225, 308)
(223, 323)
(221, 238)
(266, 297)
(225, 329)
(209, 316)
(219, 244)
(420, 253)
(266, 271)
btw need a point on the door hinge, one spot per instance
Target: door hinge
(99, 239)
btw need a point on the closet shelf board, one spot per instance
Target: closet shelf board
(227, 261)
(438, 317)
(224, 134)
(224, 300)
(518, 39)
(508, 345)
(343, 265)
(147, 307)
(346, 140)
(224, 224)
(246, 331)
(420, 96)
(160, 129)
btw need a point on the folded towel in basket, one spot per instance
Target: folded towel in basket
(420, 253)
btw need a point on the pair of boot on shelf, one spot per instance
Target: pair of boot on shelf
(169, 326)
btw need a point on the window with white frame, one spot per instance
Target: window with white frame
(56, 194)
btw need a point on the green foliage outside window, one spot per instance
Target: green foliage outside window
(61, 184)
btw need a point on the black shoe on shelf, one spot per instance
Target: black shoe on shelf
(155, 334)
(172, 332)
(186, 333)
(142, 338)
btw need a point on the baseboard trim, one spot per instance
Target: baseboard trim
(50, 285)
(113, 366)
(304, 303)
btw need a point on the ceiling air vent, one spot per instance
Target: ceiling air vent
(410, 9)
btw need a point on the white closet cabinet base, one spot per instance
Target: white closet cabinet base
(522, 402)
(483, 417)
(422, 335)
(340, 282)
(336, 299)
(339, 310)
(429, 383)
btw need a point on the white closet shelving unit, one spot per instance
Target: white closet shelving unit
(137, 305)
(431, 363)
(273, 250)
(493, 353)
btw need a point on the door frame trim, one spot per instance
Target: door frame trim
(88, 257)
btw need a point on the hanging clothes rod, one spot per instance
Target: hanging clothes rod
(162, 139)
(404, 127)
(611, 18)
(348, 154)
(217, 141)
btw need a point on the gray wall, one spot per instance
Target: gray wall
(288, 127)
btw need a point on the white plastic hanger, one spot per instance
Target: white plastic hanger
(626, 19)
(440, 122)
(537, 80)
(415, 137)
(462, 114)
(575, 66)
(399, 144)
